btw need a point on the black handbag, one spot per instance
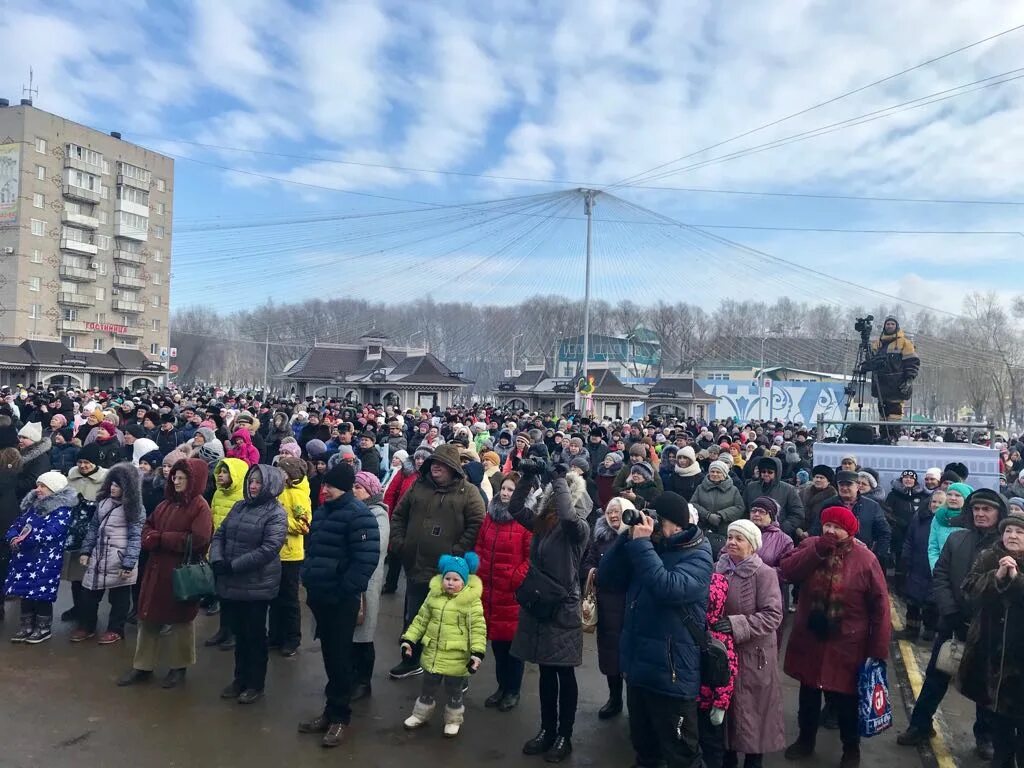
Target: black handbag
(540, 595)
(714, 658)
(192, 581)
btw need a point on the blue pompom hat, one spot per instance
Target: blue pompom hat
(461, 565)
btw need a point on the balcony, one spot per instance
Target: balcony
(77, 246)
(72, 326)
(133, 307)
(129, 207)
(80, 165)
(131, 181)
(128, 281)
(129, 258)
(139, 234)
(80, 220)
(76, 192)
(77, 299)
(77, 274)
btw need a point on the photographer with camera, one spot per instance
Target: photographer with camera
(552, 503)
(667, 578)
(894, 365)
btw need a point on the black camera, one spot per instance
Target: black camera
(863, 326)
(632, 517)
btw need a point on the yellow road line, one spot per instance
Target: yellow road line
(943, 757)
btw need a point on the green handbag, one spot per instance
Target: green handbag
(192, 581)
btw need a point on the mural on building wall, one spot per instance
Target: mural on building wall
(10, 155)
(786, 401)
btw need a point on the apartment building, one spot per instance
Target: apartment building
(85, 241)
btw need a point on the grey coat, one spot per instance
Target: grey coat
(722, 499)
(113, 539)
(364, 632)
(250, 538)
(557, 551)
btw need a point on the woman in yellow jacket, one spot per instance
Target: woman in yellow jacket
(451, 627)
(229, 475)
(285, 614)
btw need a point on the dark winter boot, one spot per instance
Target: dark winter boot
(28, 623)
(911, 630)
(42, 631)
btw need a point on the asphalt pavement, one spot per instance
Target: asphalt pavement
(60, 708)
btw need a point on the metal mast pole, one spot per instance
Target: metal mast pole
(266, 361)
(588, 210)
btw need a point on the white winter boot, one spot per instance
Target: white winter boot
(420, 714)
(453, 720)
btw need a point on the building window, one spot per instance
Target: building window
(38, 227)
(125, 319)
(106, 168)
(38, 201)
(154, 348)
(101, 317)
(103, 242)
(41, 146)
(84, 180)
(35, 311)
(37, 256)
(132, 195)
(155, 301)
(134, 172)
(156, 278)
(158, 232)
(97, 344)
(105, 193)
(156, 324)
(161, 185)
(88, 156)
(103, 217)
(158, 254)
(68, 341)
(161, 208)
(70, 314)
(101, 294)
(132, 220)
(41, 172)
(34, 283)
(718, 376)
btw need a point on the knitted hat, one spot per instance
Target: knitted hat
(748, 530)
(868, 478)
(369, 482)
(952, 477)
(90, 452)
(673, 507)
(32, 431)
(403, 456)
(172, 458)
(153, 458)
(293, 467)
(1016, 501)
(842, 517)
(644, 469)
(168, 418)
(768, 504)
(341, 476)
(849, 457)
(615, 456)
(962, 488)
(211, 452)
(581, 463)
(933, 472)
(988, 496)
(424, 452)
(461, 565)
(802, 476)
(59, 418)
(290, 449)
(491, 456)
(316, 448)
(54, 480)
(1017, 520)
(135, 430)
(721, 466)
(345, 451)
(908, 473)
(638, 449)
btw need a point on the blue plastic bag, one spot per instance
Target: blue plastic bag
(874, 708)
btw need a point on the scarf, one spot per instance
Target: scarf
(498, 511)
(826, 592)
(690, 471)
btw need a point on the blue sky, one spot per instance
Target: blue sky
(590, 91)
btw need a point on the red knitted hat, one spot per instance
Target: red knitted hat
(842, 517)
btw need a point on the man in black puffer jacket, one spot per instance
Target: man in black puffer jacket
(769, 483)
(342, 552)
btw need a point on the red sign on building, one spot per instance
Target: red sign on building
(108, 327)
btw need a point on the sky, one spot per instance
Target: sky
(303, 134)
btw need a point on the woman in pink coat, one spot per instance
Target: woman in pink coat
(242, 447)
(753, 613)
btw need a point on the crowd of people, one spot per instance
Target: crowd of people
(688, 537)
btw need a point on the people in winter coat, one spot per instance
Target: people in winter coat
(492, 475)
(980, 520)
(612, 612)
(991, 672)
(551, 634)
(917, 571)
(279, 430)
(342, 552)
(775, 543)
(167, 437)
(713, 703)
(86, 478)
(10, 467)
(245, 558)
(110, 553)
(36, 542)
(717, 500)
(873, 528)
(814, 498)
(667, 586)
(769, 483)
(948, 519)
(906, 499)
(285, 633)
(607, 471)
(367, 453)
(686, 475)
(842, 619)
(753, 615)
(35, 456)
(450, 626)
(503, 547)
(367, 489)
(637, 455)
(398, 460)
(242, 447)
(640, 488)
(180, 527)
(597, 449)
(63, 454)
(441, 514)
(141, 447)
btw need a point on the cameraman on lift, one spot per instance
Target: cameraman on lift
(894, 365)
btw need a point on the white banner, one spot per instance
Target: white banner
(10, 160)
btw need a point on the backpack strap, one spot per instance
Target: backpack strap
(699, 637)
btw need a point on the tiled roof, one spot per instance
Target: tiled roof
(10, 355)
(326, 363)
(684, 387)
(424, 369)
(45, 352)
(530, 378)
(131, 359)
(607, 383)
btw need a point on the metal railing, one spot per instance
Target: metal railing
(971, 427)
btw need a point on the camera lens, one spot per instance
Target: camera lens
(631, 516)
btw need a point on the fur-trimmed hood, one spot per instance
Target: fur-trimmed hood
(68, 497)
(36, 450)
(127, 477)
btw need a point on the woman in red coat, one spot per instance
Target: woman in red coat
(182, 514)
(842, 620)
(503, 546)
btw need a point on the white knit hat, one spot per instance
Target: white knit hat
(749, 531)
(55, 481)
(32, 431)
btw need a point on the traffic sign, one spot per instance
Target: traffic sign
(173, 369)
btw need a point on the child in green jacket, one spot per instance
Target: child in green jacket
(451, 627)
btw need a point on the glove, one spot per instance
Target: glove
(723, 625)
(406, 649)
(905, 388)
(471, 667)
(824, 546)
(531, 466)
(221, 567)
(717, 716)
(714, 519)
(559, 470)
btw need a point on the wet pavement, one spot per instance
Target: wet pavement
(60, 708)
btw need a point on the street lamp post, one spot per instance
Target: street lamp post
(513, 366)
